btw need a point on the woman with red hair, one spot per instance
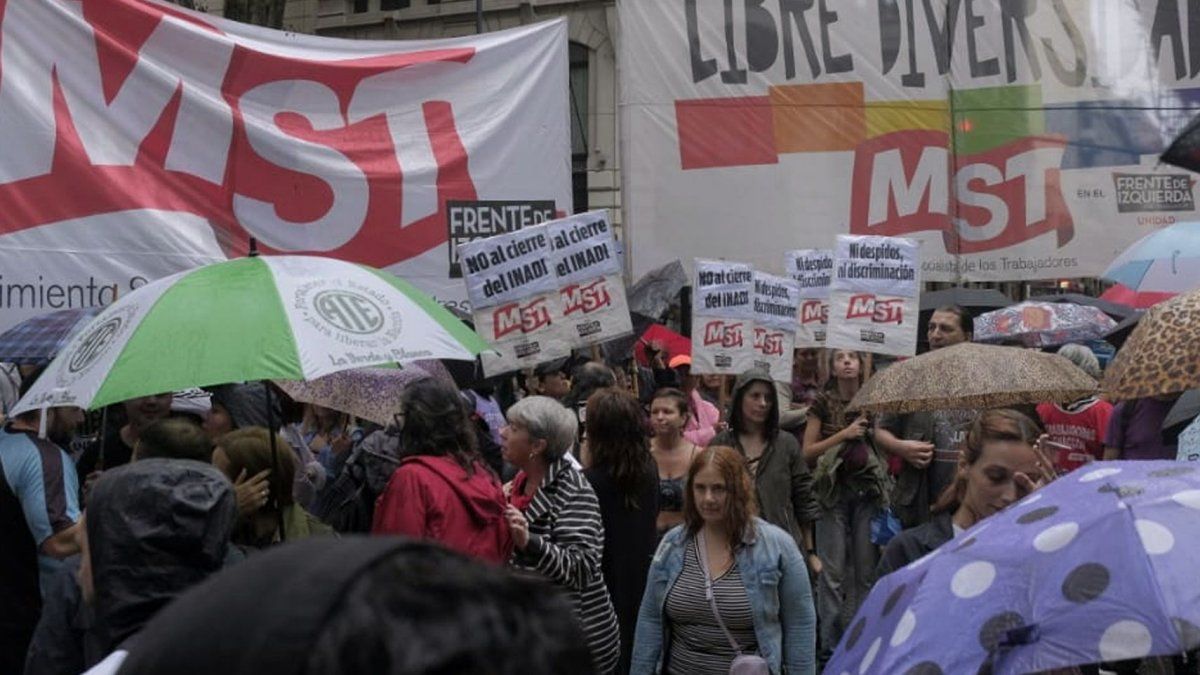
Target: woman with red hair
(725, 584)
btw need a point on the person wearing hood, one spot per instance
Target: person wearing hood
(240, 406)
(153, 529)
(361, 606)
(443, 490)
(782, 479)
(65, 641)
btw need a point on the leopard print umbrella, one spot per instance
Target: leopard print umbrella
(1162, 356)
(974, 376)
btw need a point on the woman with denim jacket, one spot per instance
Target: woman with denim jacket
(759, 583)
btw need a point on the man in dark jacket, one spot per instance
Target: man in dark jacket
(927, 442)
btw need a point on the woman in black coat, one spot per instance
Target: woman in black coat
(625, 479)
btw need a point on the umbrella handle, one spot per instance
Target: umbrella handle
(275, 470)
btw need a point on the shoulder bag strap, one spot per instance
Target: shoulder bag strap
(702, 552)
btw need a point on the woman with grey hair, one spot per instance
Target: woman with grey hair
(1076, 430)
(554, 518)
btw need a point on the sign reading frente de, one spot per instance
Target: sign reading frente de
(812, 268)
(776, 300)
(874, 303)
(722, 318)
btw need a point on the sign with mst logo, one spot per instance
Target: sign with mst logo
(587, 264)
(206, 132)
(812, 268)
(722, 318)
(776, 301)
(874, 301)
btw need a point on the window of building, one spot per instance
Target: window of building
(389, 5)
(579, 56)
(361, 6)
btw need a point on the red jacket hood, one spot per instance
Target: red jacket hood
(480, 492)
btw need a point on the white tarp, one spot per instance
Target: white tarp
(140, 139)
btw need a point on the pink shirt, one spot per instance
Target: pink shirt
(700, 428)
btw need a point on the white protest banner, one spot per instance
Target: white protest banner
(874, 300)
(1015, 139)
(722, 318)
(813, 269)
(776, 300)
(587, 265)
(141, 139)
(508, 267)
(523, 332)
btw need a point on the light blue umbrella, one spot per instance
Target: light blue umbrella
(1165, 261)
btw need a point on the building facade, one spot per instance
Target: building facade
(593, 70)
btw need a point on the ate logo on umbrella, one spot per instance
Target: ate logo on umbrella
(349, 311)
(93, 345)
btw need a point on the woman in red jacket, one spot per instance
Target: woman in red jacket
(443, 491)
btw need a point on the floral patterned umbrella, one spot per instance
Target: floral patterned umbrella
(1043, 324)
(367, 393)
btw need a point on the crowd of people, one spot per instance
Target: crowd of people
(581, 518)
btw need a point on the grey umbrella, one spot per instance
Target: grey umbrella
(1185, 409)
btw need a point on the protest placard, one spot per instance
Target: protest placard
(812, 268)
(873, 303)
(523, 333)
(508, 267)
(514, 296)
(587, 265)
(776, 300)
(722, 318)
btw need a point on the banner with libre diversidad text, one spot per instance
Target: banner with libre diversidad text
(140, 139)
(1014, 140)
(874, 301)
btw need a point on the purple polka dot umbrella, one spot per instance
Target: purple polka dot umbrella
(1098, 566)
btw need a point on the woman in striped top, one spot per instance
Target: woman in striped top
(758, 580)
(554, 518)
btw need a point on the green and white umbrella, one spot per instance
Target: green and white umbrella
(259, 318)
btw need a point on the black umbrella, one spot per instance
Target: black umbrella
(1185, 409)
(1117, 336)
(1116, 311)
(1184, 151)
(968, 298)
